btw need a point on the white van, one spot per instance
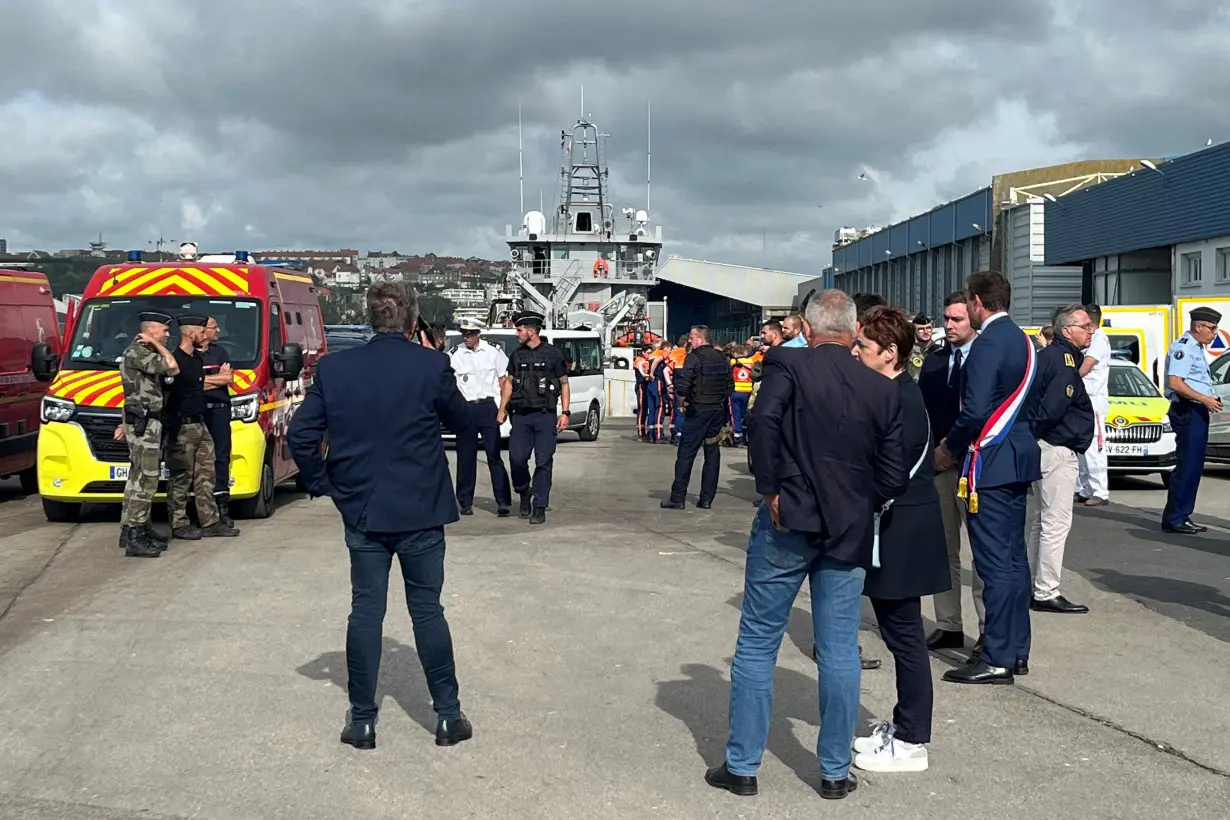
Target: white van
(582, 351)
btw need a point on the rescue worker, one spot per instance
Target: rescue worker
(190, 449)
(741, 371)
(218, 378)
(704, 386)
(1189, 386)
(1062, 421)
(537, 386)
(1093, 483)
(653, 396)
(481, 369)
(677, 357)
(663, 375)
(640, 370)
(144, 366)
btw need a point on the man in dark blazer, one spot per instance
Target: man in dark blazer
(378, 409)
(991, 443)
(827, 451)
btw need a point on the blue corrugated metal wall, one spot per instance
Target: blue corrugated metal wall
(943, 226)
(1189, 200)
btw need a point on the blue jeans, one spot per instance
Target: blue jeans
(777, 563)
(421, 555)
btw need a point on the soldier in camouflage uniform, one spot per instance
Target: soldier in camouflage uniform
(146, 362)
(923, 346)
(190, 450)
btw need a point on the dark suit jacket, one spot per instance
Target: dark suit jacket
(943, 403)
(828, 442)
(913, 552)
(380, 407)
(995, 368)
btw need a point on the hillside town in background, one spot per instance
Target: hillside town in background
(451, 288)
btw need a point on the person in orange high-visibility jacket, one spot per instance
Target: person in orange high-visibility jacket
(677, 356)
(656, 395)
(640, 366)
(741, 368)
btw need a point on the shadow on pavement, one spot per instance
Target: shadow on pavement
(1168, 590)
(401, 678)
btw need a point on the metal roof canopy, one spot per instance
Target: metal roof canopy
(764, 287)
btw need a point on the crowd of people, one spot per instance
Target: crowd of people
(871, 446)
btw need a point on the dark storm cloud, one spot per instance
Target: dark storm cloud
(393, 124)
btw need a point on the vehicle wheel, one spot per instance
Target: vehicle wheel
(592, 424)
(61, 512)
(1166, 479)
(262, 504)
(29, 481)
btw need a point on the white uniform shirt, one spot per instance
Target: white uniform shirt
(1097, 380)
(479, 370)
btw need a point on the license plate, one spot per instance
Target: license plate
(1128, 450)
(121, 473)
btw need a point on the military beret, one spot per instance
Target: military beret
(1205, 314)
(922, 319)
(154, 316)
(528, 317)
(193, 321)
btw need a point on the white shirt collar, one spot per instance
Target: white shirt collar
(997, 315)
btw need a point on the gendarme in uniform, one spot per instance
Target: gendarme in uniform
(144, 372)
(538, 383)
(704, 386)
(190, 451)
(1189, 416)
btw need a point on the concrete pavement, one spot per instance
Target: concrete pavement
(593, 655)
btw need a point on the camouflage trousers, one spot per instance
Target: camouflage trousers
(145, 467)
(190, 460)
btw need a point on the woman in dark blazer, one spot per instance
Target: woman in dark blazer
(913, 558)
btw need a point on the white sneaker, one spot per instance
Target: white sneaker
(880, 732)
(893, 756)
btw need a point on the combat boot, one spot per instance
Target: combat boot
(219, 529)
(139, 545)
(124, 530)
(188, 533)
(224, 513)
(156, 538)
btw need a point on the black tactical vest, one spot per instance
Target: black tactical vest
(713, 387)
(535, 386)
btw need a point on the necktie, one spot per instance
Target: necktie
(955, 376)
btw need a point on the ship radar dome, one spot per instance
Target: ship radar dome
(535, 222)
(642, 217)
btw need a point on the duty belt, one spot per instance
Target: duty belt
(488, 400)
(192, 419)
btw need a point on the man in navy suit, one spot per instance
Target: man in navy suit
(380, 407)
(991, 444)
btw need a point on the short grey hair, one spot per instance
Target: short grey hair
(832, 313)
(392, 307)
(1062, 317)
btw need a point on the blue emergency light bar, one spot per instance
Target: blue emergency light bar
(241, 256)
(134, 256)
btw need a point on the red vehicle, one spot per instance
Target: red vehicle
(269, 321)
(27, 318)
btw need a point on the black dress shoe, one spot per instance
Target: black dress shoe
(1058, 604)
(837, 789)
(704, 505)
(503, 511)
(361, 735)
(740, 784)
(467, 510)
(539, 516)
(1021, 668)
(979, 673)
(671, 505)
(868, 663)
(450, 732)
(526, 500)
(946, 639)
(1186, 528)
(1195, 526)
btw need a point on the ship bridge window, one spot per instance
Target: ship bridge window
(561, 252)
(585, 222)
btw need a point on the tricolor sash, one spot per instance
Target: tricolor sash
(995, 431)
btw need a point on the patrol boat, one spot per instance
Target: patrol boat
(591, 268)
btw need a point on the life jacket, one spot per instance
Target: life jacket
(641, 365)
(741, 370)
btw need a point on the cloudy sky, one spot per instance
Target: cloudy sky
(382, 124)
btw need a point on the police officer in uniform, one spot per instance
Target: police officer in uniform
(144, 367)
(190, 452)
(704, 385)
(1062, 420)
(1189, 386)
(537, 387)
(218, 378)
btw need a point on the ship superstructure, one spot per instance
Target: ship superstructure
(589, 265)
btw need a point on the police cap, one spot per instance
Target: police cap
(1206, 314)
(472, 326)
(193, 321)
(529, 318)
(154, 316)
(922, 319)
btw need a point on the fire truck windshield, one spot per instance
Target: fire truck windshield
(104, 327)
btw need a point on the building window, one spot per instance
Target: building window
(1191, 269)
(1223, 265)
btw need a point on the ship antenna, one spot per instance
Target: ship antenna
(520, 158)
(648, 150)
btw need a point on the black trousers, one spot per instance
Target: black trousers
(218, 422)
(533, 434)
(700, 429)
(484, 414)
(901, 627)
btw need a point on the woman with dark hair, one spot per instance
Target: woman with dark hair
(910, 559)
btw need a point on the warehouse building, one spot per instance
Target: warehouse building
(1155, 235)
(917, 262)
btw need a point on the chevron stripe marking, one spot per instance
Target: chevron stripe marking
(117, 279)
(136, 283)
(240, 283)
